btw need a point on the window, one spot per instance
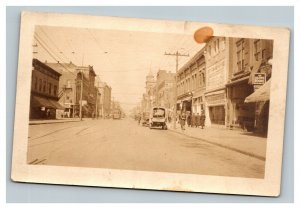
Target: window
(209, 51)
(50, 88)
(203, 79)
(35, 83)
(40, 85)
(222, 44)
(217, 45)
(44, 86)
(55, 90)
(240, 54)
(263, 54)
(200, 76)
(257, 50)
(69, 84)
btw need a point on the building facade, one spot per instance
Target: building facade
(105, 100)
(86, 80)
(149, 96)
(249, 57)
(164, 95)
(191, 81)
(44, 91)
(67, 88)
(217, 67)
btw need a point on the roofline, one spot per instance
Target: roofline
(36, 61)
(196, 56)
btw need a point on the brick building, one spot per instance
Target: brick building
(44, 91)
(191, 80)
(67, 87)
(249, 57)
(165, 82)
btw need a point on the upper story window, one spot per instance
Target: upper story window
(222, 43)
(35, 83)
(258, 50)
(50, 88)
(40, 85)
(68, 83)
(44, 86)
(240, 45)
(55, 90)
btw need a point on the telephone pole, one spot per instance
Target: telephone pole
(81, 91)
(177, 55)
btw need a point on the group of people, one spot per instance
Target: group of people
(192, 120)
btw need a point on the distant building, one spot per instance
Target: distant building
(105, 100)
(44, 91)
(70, 89)
(191, 80)
(67, 87)
(86, 78)
(165, 83)
(149, 96)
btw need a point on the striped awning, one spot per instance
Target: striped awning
(260, 95)
(37, 101)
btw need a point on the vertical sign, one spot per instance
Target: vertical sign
(259, 80)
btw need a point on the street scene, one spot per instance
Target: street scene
(149, 101)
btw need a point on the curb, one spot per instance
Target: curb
(222, 145)
(40, 123)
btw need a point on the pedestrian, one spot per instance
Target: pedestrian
(193, 120)
(202, 119)
(197, 120)
(188, 120)
(182, 120)
(48, 113)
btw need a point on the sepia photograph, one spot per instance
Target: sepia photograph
(182, 99)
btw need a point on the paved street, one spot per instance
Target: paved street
(123, 144)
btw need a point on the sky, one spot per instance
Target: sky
(122, 59)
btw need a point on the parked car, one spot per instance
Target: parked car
(158, 118)
(145, 119)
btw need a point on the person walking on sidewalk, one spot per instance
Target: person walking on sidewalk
(193, 120)
(182, 120)
(202, 119)
(197, 120)
(188, 119)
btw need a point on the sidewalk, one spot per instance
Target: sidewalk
(62, 120)
(237, 140)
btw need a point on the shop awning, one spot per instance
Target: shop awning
(44, 102)
(260, 95)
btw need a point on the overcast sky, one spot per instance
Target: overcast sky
(122, 59)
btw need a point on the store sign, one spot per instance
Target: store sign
(259, 80)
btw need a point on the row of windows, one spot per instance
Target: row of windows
(192, 83)
(260, 53)
(42, 86)
(215, 47)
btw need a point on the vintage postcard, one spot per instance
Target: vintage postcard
(150, 104)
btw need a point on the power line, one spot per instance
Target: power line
(54, 44)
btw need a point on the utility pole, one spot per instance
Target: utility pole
(81, 91)
(96, 111)
(177, 54)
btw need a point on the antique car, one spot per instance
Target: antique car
(158, 118)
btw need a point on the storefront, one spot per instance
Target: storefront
(43, 108)
(240, 113)
(215, 108)
(198, 104)
(261, 99)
